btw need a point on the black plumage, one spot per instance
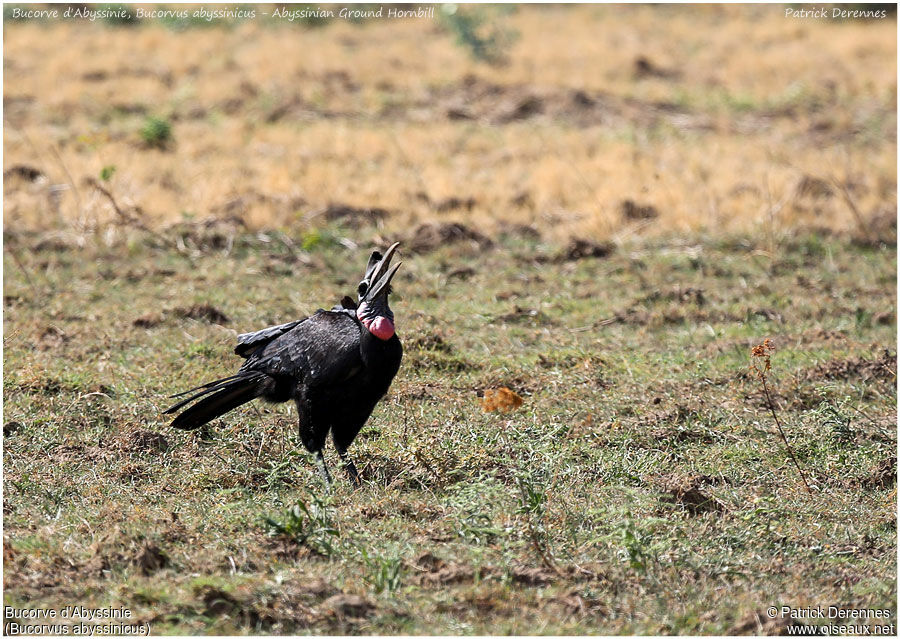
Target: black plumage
(336, 365)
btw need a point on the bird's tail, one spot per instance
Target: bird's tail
(219, 397)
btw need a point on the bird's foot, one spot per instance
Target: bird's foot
(355, 479)
(350, 467)
(323, 470)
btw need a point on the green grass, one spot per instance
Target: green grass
(640, 488)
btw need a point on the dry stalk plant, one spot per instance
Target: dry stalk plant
(763, 353)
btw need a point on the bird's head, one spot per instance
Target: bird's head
(373, 310)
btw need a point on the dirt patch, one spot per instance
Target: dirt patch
(518, 107)
(202, 312)
(234, 209)
(691, 493)
(148, 441)
(532, 576)
(345, 606)
(474, 98)
(354, 217)
(530, 316)
(462, 273)
(884, 367)
(431, 351)
(759, 623)
(681, 424)
(455, 204)
(883, 476)
(633, 212)
(217, 602)
(575, 603)
(11, 427)
(21, 175)
(151, 558)
(522, 231)
(431, 236)
(880, 229)
(768, 314)
(522, 200)
(580, 249)
(813, 187)
(211, 234)
(428, 342)
(148, 320)
(52, 337)
(440, 573)
(644, 67)
(689, 295)
(434, 571)
(418, 473)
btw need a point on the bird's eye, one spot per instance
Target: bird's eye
(362, 288)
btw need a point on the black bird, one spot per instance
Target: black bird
(334, 364)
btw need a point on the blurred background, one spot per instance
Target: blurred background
(601, 122)
(604, 211)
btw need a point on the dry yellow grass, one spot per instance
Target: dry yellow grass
(278, 120)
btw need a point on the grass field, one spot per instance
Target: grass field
(607, 243)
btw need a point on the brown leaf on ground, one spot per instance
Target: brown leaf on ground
(501, 400)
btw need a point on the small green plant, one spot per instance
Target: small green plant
(311, 239)
(156, 132)
(833, 415)
(477, 528)
(308, 525)
(532, 500)
(476, 31)
(532, 506)
(384, 573)
(318, 239)
(107, 172)
(637, 547)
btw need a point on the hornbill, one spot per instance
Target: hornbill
(334, 364)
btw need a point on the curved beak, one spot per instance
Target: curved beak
(382, 273)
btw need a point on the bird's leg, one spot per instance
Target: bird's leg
(349, 467)
(323, 469)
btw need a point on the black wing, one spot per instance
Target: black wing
(323, 350)
(249, 342)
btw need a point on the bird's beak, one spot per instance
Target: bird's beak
(382, 273)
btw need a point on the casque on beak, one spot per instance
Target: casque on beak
(379, 274)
